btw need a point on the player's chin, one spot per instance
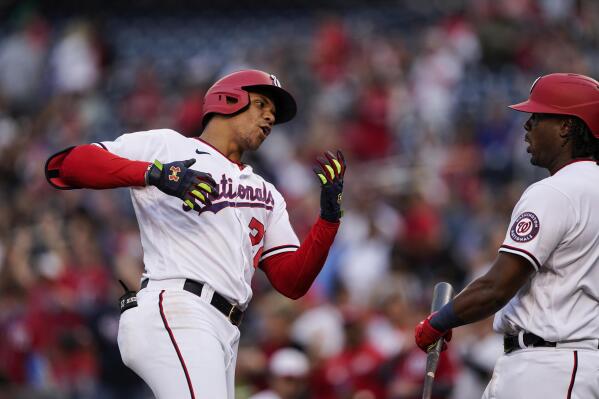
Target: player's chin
(258, 141)
(533, 158)
(253, 145)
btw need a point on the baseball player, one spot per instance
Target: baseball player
(544, 283)
(207, 222)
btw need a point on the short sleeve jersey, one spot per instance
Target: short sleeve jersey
(555, 226)
(222, 245)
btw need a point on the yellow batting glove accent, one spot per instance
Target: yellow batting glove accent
(337, 165)
(158, 164)
(330, 170)
(322, 178)
(189, 203)
(205, 187)
(199, 195)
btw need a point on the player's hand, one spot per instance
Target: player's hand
(427, 336)
(178, 180)
(330, 174)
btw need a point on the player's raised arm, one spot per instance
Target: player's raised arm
(292, 273)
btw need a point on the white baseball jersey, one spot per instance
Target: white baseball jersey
(555, 226)
(223, 245)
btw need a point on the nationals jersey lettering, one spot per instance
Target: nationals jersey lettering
(554, 226)
(222, 244)
(259, 196)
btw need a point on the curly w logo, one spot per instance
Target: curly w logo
(523, 227)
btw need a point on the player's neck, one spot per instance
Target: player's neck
(222, 143)
(559, 163)
(556, 156)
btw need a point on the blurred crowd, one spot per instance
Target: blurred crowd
(415, 97)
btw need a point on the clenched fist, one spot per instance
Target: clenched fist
(179, 180)
(426, 335)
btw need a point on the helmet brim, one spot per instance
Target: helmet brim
(533, 107)
(285, 105)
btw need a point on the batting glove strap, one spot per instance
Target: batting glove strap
(153, 173)
(330, 173)
(426, 335)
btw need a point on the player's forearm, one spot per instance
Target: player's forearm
(292, 273)
(478, 301)
(487, 294)
(89, 166)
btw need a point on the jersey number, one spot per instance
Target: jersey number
(256, 236)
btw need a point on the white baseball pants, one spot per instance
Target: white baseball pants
(179, 344)
(546, 373)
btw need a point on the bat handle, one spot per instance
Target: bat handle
(442, 294)
(432, 360)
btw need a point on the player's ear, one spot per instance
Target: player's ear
(566, 130)
(568, 125)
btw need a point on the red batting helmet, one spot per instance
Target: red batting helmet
(565, 94)
(230, 95)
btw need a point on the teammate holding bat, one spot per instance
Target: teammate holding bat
(544, 283)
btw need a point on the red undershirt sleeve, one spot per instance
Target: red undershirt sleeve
(292, 273)
(89, 166)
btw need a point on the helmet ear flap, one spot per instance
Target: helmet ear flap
(230, 100)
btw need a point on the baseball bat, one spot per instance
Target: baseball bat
(442, 294)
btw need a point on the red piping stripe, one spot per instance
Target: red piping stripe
(573, 378)
(523, 251)
(101, 145)
(290, 246)
(170, 333)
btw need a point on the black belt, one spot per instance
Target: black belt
(232, 312)
(510, 342)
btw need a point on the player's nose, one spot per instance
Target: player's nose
(269, 117)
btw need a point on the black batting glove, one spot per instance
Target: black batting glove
(330, 174)
(178, 180)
